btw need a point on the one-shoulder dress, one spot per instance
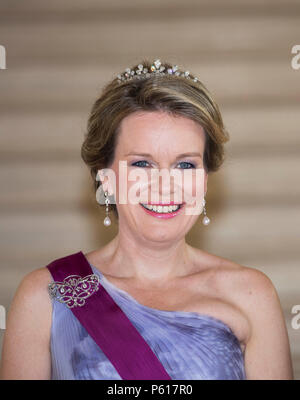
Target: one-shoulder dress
(189, 345)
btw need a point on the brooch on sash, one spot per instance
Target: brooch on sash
(74, 289)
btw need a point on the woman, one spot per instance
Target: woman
(191, 314)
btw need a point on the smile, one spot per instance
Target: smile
(162, 211)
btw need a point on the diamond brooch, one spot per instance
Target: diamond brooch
(74, 289)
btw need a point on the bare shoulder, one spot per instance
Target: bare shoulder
(246, 292)
(26, 351)
(248, 282)
(34, 288)
(267, 354)
(253, 292)
(37, 277)
(31, 299)
(244, 283)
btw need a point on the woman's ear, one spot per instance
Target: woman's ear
(106, 182)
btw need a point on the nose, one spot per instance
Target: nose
(163, 186)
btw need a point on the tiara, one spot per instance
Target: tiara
(156, 68)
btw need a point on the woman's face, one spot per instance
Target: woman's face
(164, 139)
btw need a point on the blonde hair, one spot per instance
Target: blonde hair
(175, 95)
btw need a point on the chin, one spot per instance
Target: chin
(159, 234)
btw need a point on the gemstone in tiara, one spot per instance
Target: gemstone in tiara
(156, 68)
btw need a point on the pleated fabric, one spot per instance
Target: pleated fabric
(188, 344)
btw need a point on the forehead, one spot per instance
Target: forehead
(157, 128)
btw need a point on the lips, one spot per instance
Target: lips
(161, 208)
(159, 212)
(171, 203)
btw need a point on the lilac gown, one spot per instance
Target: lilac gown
(188, 344)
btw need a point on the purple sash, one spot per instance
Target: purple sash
(103, 319)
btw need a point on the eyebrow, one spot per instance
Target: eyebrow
(193, 154)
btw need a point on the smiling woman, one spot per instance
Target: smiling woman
(148, 305)
(168, 93)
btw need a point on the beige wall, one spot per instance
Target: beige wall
(59, 55)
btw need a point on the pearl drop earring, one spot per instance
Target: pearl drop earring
(205, 220)
(107, 220)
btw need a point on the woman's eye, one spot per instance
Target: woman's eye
(137, 162)
(187, 165)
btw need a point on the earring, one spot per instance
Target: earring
(205, 220)
(107, 220)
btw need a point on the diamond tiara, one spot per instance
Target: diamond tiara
(156, 68)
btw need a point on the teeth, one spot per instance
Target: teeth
(161, 209)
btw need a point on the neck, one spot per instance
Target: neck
(148, 262)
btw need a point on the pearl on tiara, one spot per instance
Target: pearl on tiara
(156, 68)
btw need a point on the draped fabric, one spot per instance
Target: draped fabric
(188, 344)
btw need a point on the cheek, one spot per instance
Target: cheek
(194, 185)
(132, 189)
